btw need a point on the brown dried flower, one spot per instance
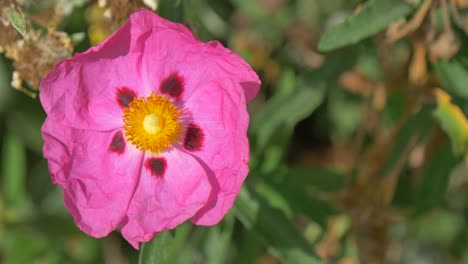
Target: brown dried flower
(119, 10)
(7, 35)
(35, 56)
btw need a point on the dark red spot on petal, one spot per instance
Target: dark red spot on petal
(193, 138)
(125, 96)
(173, 86)
(157, 166)
(118, 143)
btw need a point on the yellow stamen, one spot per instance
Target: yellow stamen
(152, 123)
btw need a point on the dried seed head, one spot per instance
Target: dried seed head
(8, 35)
(35, 56)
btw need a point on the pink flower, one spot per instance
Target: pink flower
(148, 129)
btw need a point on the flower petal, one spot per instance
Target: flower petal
(82, 92)
(223, 118)
(166, 195)
(170, 50)
(97, 181)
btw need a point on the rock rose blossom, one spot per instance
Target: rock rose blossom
(148, 129)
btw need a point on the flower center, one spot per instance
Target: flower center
(152, 123)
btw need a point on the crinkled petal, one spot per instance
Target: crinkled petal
(97, 184)
(83, 95)
(167, 51)
(165, 201)
(224, 121)
(81, 92)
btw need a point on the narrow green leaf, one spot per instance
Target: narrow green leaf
(293, 201)
(157, 250)
(453, 122)
(304, 204)
(6, 91)
(454, 76)
(287, 111)
(435, 179)
(17, 20)
(374, 16)
(219, 240)
(165, 248)
(418, 124)
(14, 169)
(273, 227)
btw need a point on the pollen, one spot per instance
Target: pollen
(152, 123)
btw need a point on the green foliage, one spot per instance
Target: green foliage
(454, 123)
(286, 111)
(374, 16)
(14, 168)
(435, 179)
(156, 251)
(454, 76)
(328, 134)
(17, 20)
(286, 242)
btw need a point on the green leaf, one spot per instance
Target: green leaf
(374, 16)
(453, 122)
(454, 76)
(14, 169)
(6, 91)
(344, 113)
(435, 179)
(157, 250)
(273, 227)
(448, 226)
(287, 111)
(219, 240)
(417, 125)
(293, 201)
(305, 204)
(164, 248)
(17, 20)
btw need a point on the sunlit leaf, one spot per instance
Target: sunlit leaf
(453, 121)
(17, 20)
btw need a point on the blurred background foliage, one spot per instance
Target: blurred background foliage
(359, 139)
